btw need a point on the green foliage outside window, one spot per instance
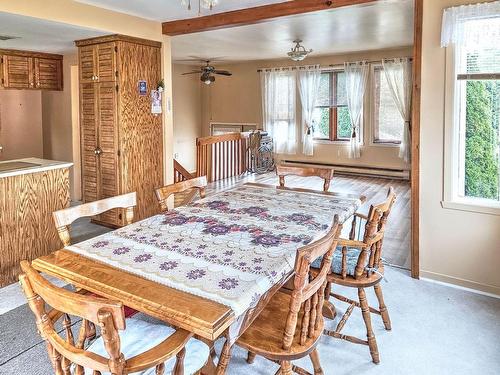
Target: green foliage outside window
(344, 127)
(481, 139)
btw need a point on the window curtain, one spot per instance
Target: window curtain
(278, 108)
(398, 74)
(356, 76)
(309, 80)
(471, 26)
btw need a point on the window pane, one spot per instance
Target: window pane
(324, 90)
(322, 123)
(341, 98)
(482, 165)
(388, 124)
(344, 127)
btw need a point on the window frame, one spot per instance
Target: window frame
(453, 184)
(333, 124)
(374, 111)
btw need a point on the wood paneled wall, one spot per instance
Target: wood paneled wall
(141, 140)
(27, 230)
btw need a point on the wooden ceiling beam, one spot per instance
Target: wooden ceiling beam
(253, 15)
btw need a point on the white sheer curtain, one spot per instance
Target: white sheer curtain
(356, 77)
(309, 80)
(471, 26)
(398, 74)
(278, 108)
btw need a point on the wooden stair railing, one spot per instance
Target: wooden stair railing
(181, 173)
(221, 156)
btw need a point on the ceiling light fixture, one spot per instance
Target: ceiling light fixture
(205, 4)
(298, 52)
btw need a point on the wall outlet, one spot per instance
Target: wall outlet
(176, 155)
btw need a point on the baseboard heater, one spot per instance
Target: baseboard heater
(356, 170)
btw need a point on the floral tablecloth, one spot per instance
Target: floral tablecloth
(231, 247)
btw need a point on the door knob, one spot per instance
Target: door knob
(98, 151)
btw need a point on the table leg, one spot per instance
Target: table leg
(225, 356)
(328, 307)
(210, 368)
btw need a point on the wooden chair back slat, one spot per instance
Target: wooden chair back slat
(163, 193)
(307, 294)
(65, 217)
(221, 156)
(287, 170)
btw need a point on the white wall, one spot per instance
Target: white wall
(20, 124)
(187, 114)
(455, 246)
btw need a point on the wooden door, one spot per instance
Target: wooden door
(17, 72)
(106, 62)
(88, 62)
(48, 74)
(89, 141)
(108, 176)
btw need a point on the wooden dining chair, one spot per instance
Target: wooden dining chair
(357, 264)
(65, 217)
(291, 324)
(287, 170)
(195, 184)
(125, 346)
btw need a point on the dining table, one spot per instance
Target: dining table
(208, 267)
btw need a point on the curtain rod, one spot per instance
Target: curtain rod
(330, 65)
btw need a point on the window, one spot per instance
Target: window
(331, 116)
(478, 115)
(472, 128)
(278, 104)
(387, 121)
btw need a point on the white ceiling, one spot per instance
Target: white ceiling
(168, 10)
(379, 25)
(39, 35)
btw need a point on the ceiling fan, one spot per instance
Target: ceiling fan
(207, 73)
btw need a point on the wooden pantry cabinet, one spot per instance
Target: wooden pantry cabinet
(31, 70)
(121, 140)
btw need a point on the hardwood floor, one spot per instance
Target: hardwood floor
(396, 250)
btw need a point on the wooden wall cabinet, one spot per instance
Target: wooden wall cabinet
(31, 70)
(121, 140)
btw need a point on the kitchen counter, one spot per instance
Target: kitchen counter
(17, 167)
(30, 190)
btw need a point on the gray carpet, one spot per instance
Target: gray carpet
(436, 330)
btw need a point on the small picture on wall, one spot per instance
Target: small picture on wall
(143, 88)
(156, 102)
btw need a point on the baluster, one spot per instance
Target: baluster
(305, 321)
(314, 309)
(219, 161)
(344, 262)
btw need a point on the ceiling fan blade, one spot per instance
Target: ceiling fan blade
(193, 72)
(223, 72)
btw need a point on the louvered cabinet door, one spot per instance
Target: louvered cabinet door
(18, 72)
(108, 148)
(48, 74)
(106, 62)
(88, 63)
(88, 134)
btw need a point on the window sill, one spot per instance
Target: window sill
(478, 205)
(328, 142)
(385, 144)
